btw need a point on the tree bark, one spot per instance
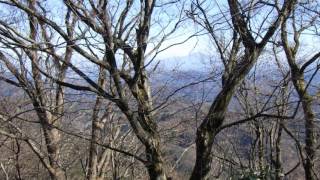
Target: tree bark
(93, 152)
(96, 129)
(310, 135)
(216, 115)
(155, 164)
(52, 138)
(206, 133)
(300, 85)
(309, 122)
(278, 165)
(203, 155)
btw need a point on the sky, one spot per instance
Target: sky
(192, 53)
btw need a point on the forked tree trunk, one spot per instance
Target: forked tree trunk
(216, 115)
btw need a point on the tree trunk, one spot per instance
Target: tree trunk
(310, 134)
(278, 165)
(96, 129)
(207, 131)
(93, 154)
(310, 139)
(260, 136)
(300, 84)
(155, 164)
(52, 138)
(203, 155)
(58, 175)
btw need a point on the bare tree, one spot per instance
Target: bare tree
(114, 37)
(299, 80)
(236, 68)
(106, 52)
(47, 99)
